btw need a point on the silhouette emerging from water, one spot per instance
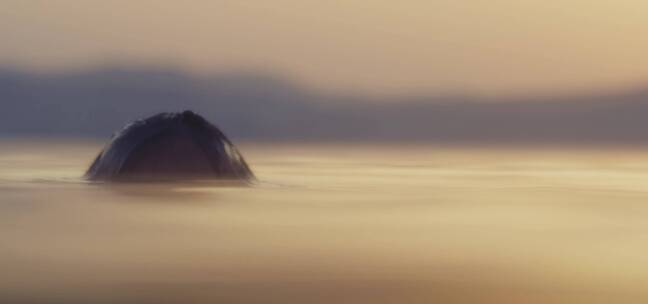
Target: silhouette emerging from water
(169, 146)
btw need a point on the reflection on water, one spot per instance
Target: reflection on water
(331, 224)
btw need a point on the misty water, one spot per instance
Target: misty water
(334, 223)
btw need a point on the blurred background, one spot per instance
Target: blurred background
(492, 71)
(412, 151)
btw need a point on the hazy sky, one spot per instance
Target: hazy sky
(474, 46)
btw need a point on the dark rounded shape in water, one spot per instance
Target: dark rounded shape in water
(169, 146)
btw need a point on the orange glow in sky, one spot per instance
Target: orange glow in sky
(379, 46)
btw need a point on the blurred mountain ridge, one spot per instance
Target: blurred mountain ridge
(262, 106)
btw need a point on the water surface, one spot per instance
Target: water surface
(331, 224)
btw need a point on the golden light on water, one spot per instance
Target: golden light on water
(363, 223)
(553, 212)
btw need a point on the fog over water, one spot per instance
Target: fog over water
(412, 151)
(330, 224)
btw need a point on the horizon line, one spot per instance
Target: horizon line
(278, 77)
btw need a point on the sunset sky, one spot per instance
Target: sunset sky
(494, 47)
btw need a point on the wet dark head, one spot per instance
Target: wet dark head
(169, 146)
